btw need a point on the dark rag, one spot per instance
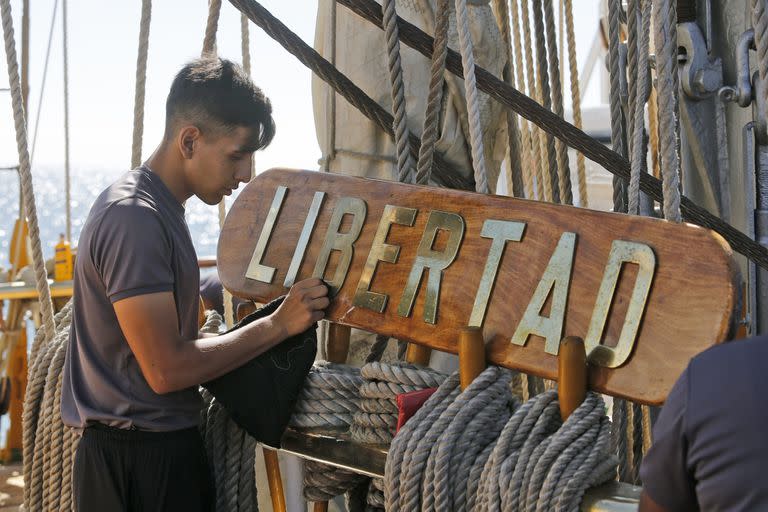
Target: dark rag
(260, 395)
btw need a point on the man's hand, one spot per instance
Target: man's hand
(302, 307)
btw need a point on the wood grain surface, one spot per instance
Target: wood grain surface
(690, 305)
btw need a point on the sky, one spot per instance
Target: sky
(103, 39)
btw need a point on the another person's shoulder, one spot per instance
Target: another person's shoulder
(739, 361)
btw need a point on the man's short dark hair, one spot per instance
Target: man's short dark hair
(216, 95)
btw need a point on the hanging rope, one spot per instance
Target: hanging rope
(563, 167)
(141, 81)
(544, 185)
(141, 77)
(528, 156)
(473, 107)
(665, 30)
(575, 100)
(25, 175)
(639, 89)
(760, 25)
(211, 26)
(542, 79)
(245, 44)
(67, 192)
(435, 96)
(404, 159)
(617, 122)
(514, 174)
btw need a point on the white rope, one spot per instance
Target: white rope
(549, 152)
(211, 26)
(141, 82)
(394, 64)
(563, 168)
(543, 185)
(575, 100)
(27, 190)
(514, 168)
(67, 184)
(473, 107)
(435, 96)
(665, 38)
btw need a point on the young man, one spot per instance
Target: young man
(135, 357)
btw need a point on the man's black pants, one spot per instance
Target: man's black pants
(130, 470)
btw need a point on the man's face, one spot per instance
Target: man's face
(220, 163)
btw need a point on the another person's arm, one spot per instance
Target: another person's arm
(668, 482)
(170, 363)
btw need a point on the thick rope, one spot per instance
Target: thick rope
(575, 100)
(27, 190)
(563, 167)
(543, 184)
(48, 445)
(376, 421)
(514, 174)
(542, 79)
(245, 44)
(404, 159)
(473, 106)
(435, 96)
(141, 82)
(469, 451)
(760, 25)
(67, 187)
(529, 160)
(640, 90)
(211, 26)
(665, 33)
(617, 121)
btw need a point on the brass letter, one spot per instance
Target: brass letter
(500, 231)
(255, 269)
(557, 275)
(335, 241)
(435, 261)
(301, 245)
(381, 251)
(621, 252)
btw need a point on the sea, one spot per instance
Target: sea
(85, 186)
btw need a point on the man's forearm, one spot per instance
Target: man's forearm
(206, 358)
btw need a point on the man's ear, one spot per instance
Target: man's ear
(187, 140)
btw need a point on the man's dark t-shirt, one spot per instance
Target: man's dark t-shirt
(709, 444)
(134, 242)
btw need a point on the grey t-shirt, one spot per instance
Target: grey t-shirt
(709, 443)
(134, 242)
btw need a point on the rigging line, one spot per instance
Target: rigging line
(42, 84)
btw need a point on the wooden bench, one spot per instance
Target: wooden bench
(423, 264)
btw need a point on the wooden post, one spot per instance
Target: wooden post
(471, 355)
(17, 371)
(338, 343)
(418, 354)
(275, 480)
(571, 375)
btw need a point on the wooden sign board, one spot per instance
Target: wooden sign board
(420, 264)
